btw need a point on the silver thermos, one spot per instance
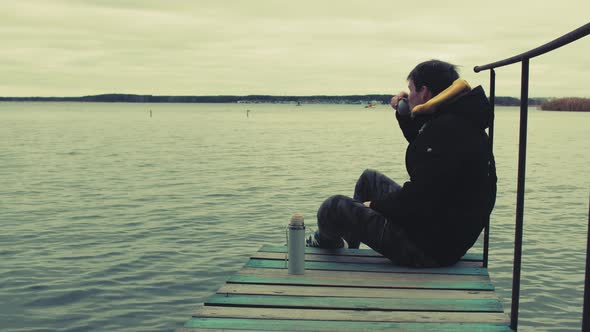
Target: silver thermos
(296, 244)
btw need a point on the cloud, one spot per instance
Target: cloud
(275, 47)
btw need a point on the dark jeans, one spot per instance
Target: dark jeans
(344, 217)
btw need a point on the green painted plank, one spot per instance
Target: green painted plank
(347, 259)
(276, 264)
(351, 315)
(332, 290)
(356, 303)
(303, 280)
(309, 250)
(353, 252)
(310, 325)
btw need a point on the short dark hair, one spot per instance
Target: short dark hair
(436, 75)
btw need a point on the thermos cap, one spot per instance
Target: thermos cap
(296, 220)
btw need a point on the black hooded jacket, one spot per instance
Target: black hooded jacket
(452, 187)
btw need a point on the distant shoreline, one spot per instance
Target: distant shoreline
(249, 99)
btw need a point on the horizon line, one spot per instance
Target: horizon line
(240, 95)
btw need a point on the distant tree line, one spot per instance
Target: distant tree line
(131, 98)
(319, 99)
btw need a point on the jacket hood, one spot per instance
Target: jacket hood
(473, 106)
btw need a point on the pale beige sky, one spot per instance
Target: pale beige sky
(303, 47)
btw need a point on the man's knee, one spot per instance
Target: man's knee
(368, 173)
(330, 206)
(332, 202)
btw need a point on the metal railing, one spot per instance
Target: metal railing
(524, 91)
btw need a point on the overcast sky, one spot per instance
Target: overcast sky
(198, 47)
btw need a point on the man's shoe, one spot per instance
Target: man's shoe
(316, 241)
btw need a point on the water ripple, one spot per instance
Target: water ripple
(110, 223)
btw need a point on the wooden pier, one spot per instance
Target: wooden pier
(351, 290)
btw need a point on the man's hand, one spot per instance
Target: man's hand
(395, 100)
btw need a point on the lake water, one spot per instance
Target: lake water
(114, 220)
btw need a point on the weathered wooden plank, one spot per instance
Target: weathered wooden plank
(362, 275)
(354, 292)
(337, 282)
(274, 264)
(356, 303)
(352, 252)
(351, 290)
(352, 315)
(346, 259)
(200, 329)
(312, 325)
(363, 279)
(324, 257)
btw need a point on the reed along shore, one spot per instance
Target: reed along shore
(567, 104)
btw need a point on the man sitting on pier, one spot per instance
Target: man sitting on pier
(435, 217)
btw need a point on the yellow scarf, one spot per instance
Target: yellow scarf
(458, 88)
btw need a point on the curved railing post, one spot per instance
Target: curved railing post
(486, 233)
(492, 103)
(524, 58)
(524, 97)
(586, 309)
(580, 32)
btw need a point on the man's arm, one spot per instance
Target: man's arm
(406, 123)
(430, 183)
(434, 169)
(409, 126)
